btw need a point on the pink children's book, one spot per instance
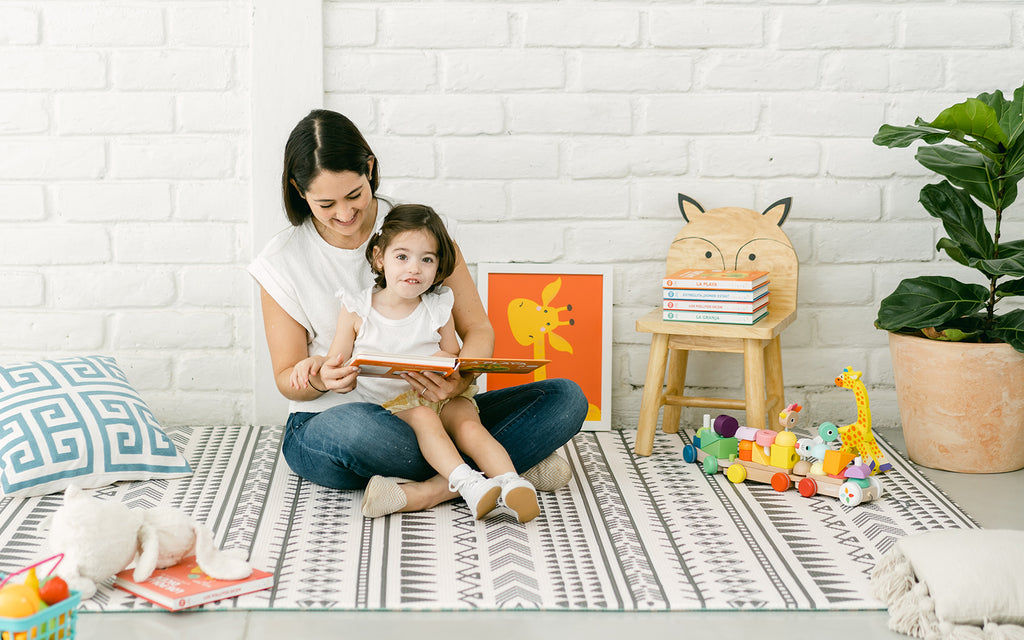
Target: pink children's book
(185, 585)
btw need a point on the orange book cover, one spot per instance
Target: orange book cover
(393, 365)
(185, 585)
(715, 279)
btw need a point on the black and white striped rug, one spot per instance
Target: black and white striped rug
(629, 533)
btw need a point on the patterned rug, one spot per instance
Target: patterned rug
(629, 533)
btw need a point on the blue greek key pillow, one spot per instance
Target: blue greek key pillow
(77, 421)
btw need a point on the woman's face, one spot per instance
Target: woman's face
(343, 206)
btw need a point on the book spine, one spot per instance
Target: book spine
(729, 285)
(714, 305)
(717, 318)
(715, 294)
(176, 601)
(240, 589)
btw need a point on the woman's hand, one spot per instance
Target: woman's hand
(336, 377)
(435, 387)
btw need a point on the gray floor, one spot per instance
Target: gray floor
(993, 500)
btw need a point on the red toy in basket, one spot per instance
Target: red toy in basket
(31, 610)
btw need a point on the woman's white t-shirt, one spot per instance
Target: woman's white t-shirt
(302, 272)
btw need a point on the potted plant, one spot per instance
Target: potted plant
(958, 360)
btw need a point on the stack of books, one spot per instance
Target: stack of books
(727, 297)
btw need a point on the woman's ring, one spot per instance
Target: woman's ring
(422, 389)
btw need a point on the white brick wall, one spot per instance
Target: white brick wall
(124, 211)
(125, 129)
(577, 122)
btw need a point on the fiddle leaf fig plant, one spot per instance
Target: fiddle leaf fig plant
(977, 146)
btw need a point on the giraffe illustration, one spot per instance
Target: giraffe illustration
(534, 324)
(857, 437)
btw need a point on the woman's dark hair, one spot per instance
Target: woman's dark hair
(322, 141)
(413, 217)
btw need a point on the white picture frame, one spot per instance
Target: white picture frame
(559, 307)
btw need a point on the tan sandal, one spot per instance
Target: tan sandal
(383, 496)
(550, 474)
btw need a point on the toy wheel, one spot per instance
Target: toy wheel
(851, 494)
(875, 484)
(807, 487)
(711, 465)
(690, 453)
(736, 473)
(781, 482)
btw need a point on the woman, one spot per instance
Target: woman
(330, 184)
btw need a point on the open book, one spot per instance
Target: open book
(392, 365)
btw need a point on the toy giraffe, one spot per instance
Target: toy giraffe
(857, 437)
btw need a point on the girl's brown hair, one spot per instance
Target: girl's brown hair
(413, 217)
(322, 141)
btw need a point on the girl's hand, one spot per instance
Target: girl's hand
(435, 388)
(336, 377)
(303, 369)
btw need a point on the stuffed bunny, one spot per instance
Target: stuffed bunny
(99, 538)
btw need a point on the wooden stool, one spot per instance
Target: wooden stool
(725, 238)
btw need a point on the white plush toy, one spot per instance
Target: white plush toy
(100, 538)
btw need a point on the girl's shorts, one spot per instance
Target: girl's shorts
(411, 399)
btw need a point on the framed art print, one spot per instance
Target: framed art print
(560, 313)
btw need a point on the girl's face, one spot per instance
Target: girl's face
(409, 263)
(343, 207)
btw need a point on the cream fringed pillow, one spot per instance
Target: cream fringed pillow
(959, 584)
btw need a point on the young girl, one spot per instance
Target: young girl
(408, 312)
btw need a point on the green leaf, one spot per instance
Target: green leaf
(1010, 288)
(1010, 190)
(974, 118)
(1009, 263)
(995, 100)
(1011, 120)
(1014, 160)
(893, 137)
(961, 217)
(929, 301)
(1010, 329)
(954, 251)
(964, 167)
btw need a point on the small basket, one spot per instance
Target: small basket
(53, 623)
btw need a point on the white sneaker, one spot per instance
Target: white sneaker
(480, 493)
(519, 495)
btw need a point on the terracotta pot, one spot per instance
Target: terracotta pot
(961, 404)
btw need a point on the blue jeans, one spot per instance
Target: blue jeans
(345, 445)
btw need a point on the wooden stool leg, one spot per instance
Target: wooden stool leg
(773, 378)
(674, 386)
(651, 399)
(753, 382)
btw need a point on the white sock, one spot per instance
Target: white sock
(459, 473)
(506, 477)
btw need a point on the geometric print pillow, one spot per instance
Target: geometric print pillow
(77, 421)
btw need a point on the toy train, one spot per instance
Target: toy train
(781, 460)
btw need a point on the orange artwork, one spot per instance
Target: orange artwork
(560, 317)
